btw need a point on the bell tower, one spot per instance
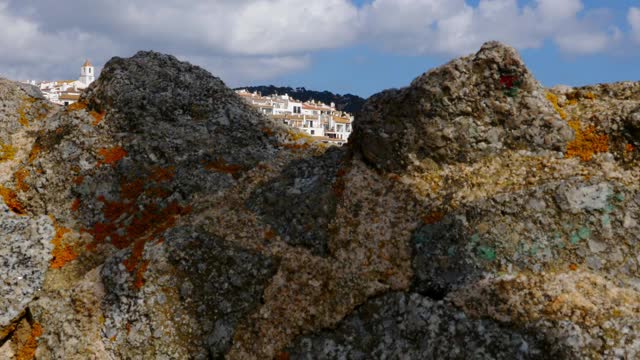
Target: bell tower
(87, 73)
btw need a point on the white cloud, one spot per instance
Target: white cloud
(633, 17)
(226, 36)
(455, 27)
(240, 40)
(244, 70)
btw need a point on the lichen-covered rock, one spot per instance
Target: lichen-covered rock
(475, 215)
(197, 290)
(25, 252)
(467, 109)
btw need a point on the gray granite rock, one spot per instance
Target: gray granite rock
(25, 252)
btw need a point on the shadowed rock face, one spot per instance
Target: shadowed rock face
(400, 325)
(474, 215)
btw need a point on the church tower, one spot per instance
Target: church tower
(87, 73)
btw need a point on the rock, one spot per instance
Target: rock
(411, 326)
(467, 109)
(25, 252)
(471, 216)
(301, 203)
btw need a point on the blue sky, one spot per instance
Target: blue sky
(345, 46)
(373, 70)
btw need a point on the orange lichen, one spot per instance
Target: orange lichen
(77, 106)
(78, 180)
(163, 174)
(7, 152)
(433, 217)
(270, 234)
(21, 177)
(589, 95)
(11, 200)
(554, 101)
(62, 254)
(136, 255)
(339, 186)
(587, 142)
(35, 151)
(111, 156)
(282, 356)
(75, 206)
(267, 131)
(140, 215)
(629, 148)
(131, 190)
(27, 349)
(220, 165)
(139, 281)
(573, 267)
(98, 116)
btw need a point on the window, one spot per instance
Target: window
(313, 132)
(89, 70)
(66, 103)
(311, 123)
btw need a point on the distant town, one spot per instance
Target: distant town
(321, 121)
(67, 92)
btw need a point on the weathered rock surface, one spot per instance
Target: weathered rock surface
(401, 325)
(467, 109)
(475, 215)
(25, 252)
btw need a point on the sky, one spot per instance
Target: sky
(344, 46)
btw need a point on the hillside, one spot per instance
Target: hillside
(348, 102)
(473, 214)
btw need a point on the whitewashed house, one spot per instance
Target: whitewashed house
(67, 92)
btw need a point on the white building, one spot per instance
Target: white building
(67, 92)
(87, 74)
(319, 120)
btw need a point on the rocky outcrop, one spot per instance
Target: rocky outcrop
(469, 108)
(475, 214)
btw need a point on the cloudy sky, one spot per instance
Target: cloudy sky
(356, 46)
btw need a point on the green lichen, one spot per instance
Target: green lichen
(584, 233)
(574, 238)
(451, 251)
(487, 253)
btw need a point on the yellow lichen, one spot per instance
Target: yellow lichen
(21, 177)
(7, 152)
(35, 151)
(77, 106)
(554, 101)
(22, 119)
(587, 142)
